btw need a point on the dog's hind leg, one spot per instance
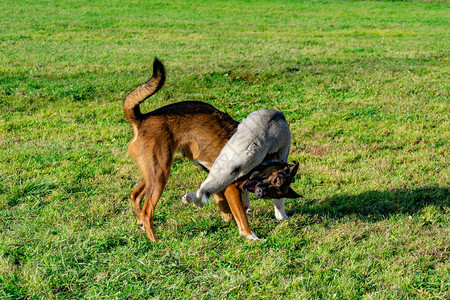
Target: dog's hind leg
(136, 200)
(155, 178)
(153, 192)
(224, 208)
(152, 196)
(233, 196)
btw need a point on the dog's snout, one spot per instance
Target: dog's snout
(259, 192)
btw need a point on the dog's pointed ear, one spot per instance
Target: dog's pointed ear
(293, 168)
(292, 194)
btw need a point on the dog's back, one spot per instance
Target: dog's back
(262, 132)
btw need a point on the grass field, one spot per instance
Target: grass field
(365, 89)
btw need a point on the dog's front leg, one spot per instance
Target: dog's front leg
(233, 196)
(280, 213)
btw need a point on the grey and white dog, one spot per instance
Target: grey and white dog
(261, 133)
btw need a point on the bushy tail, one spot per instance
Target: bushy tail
(142, 92)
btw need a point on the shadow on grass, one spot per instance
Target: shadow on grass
(377, 204)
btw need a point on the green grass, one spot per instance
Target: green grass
(364, 86)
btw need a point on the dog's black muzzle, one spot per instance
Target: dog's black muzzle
(257, 188)
(260, 192)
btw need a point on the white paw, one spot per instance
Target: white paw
(248, 210)
(191, 197)
(253, 237)
(185, 199)
(196, 198)
(280, 215)
(278, 205)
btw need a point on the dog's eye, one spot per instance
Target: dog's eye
(279, 180)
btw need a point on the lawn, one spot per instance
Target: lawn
(364, 87)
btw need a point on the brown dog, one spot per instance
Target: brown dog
(200, 131)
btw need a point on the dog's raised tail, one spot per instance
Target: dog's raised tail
(142, 92)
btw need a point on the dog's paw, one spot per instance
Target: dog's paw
(196, 197)
(248, 210)
(280, 216)
(190, 198)
(185, 200)
(280, 213)
(253, 237)
(227, 217)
